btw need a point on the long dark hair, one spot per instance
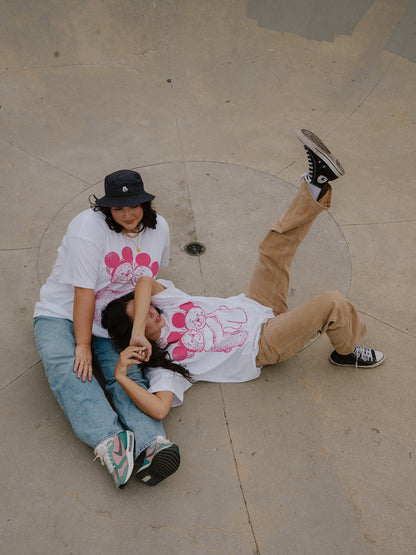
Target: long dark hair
(119, 326)
(149, 215)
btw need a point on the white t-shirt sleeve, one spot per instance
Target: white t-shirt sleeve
(164, 259)
(161, 379)
(169, 295)
(81, 263)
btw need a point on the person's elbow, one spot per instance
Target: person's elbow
(144, 279)
(162, 409)
(160, 413)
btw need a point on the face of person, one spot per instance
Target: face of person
(154, 321)
(128, 217)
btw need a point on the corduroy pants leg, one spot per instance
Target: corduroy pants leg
(331, 313)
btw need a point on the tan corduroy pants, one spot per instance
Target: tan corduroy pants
(331, 313)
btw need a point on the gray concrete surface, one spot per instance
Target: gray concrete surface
(205, 99)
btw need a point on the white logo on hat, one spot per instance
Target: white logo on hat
(124, 189)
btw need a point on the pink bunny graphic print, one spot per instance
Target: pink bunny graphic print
(124, 271)
(216, 331)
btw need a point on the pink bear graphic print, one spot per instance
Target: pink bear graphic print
(216, 331)
(124, 272)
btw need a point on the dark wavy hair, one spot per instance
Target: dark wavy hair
(149, 215)
(119, 326)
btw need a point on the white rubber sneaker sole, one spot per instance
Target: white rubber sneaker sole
(380, 358)
(317, 146)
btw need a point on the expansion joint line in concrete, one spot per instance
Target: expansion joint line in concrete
(386, 222)
(405, 332)
(17, 249)
(363, 100)
(257, 551)
(43, 161)
(19, 376)
(178, 131)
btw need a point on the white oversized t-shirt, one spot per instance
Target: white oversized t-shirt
(93, 256)
(215, 339)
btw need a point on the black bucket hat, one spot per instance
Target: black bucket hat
(123, 188)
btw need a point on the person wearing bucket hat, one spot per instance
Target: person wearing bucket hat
(124, 188)
(105, 250)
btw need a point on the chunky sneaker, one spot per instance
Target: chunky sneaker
(117, 455)
(323, 166)
(360, 358)
(160, 460)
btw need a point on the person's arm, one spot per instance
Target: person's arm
(157, 405)
(146, 287)
(84, 306)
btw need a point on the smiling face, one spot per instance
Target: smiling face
(129, 217)
(154, 321)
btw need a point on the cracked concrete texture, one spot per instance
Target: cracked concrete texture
(205, 98)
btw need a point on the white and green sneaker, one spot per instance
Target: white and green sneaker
(116, 453)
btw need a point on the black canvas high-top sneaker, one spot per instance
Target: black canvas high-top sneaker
(323, 165)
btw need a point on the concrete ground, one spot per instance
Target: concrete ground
(204, 98)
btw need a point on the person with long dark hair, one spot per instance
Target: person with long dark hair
(105, 250)
(181, 338)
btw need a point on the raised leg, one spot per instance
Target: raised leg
(270, 281)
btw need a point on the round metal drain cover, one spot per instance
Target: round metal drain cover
(195, 248)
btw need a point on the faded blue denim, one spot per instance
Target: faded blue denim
(84, 403)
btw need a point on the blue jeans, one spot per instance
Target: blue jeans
(84, 403)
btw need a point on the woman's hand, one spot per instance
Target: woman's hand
(83, 362)
(132, 355)
(141, 341)
(84, 304)
(157, 405)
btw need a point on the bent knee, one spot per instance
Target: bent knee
(332, 297)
